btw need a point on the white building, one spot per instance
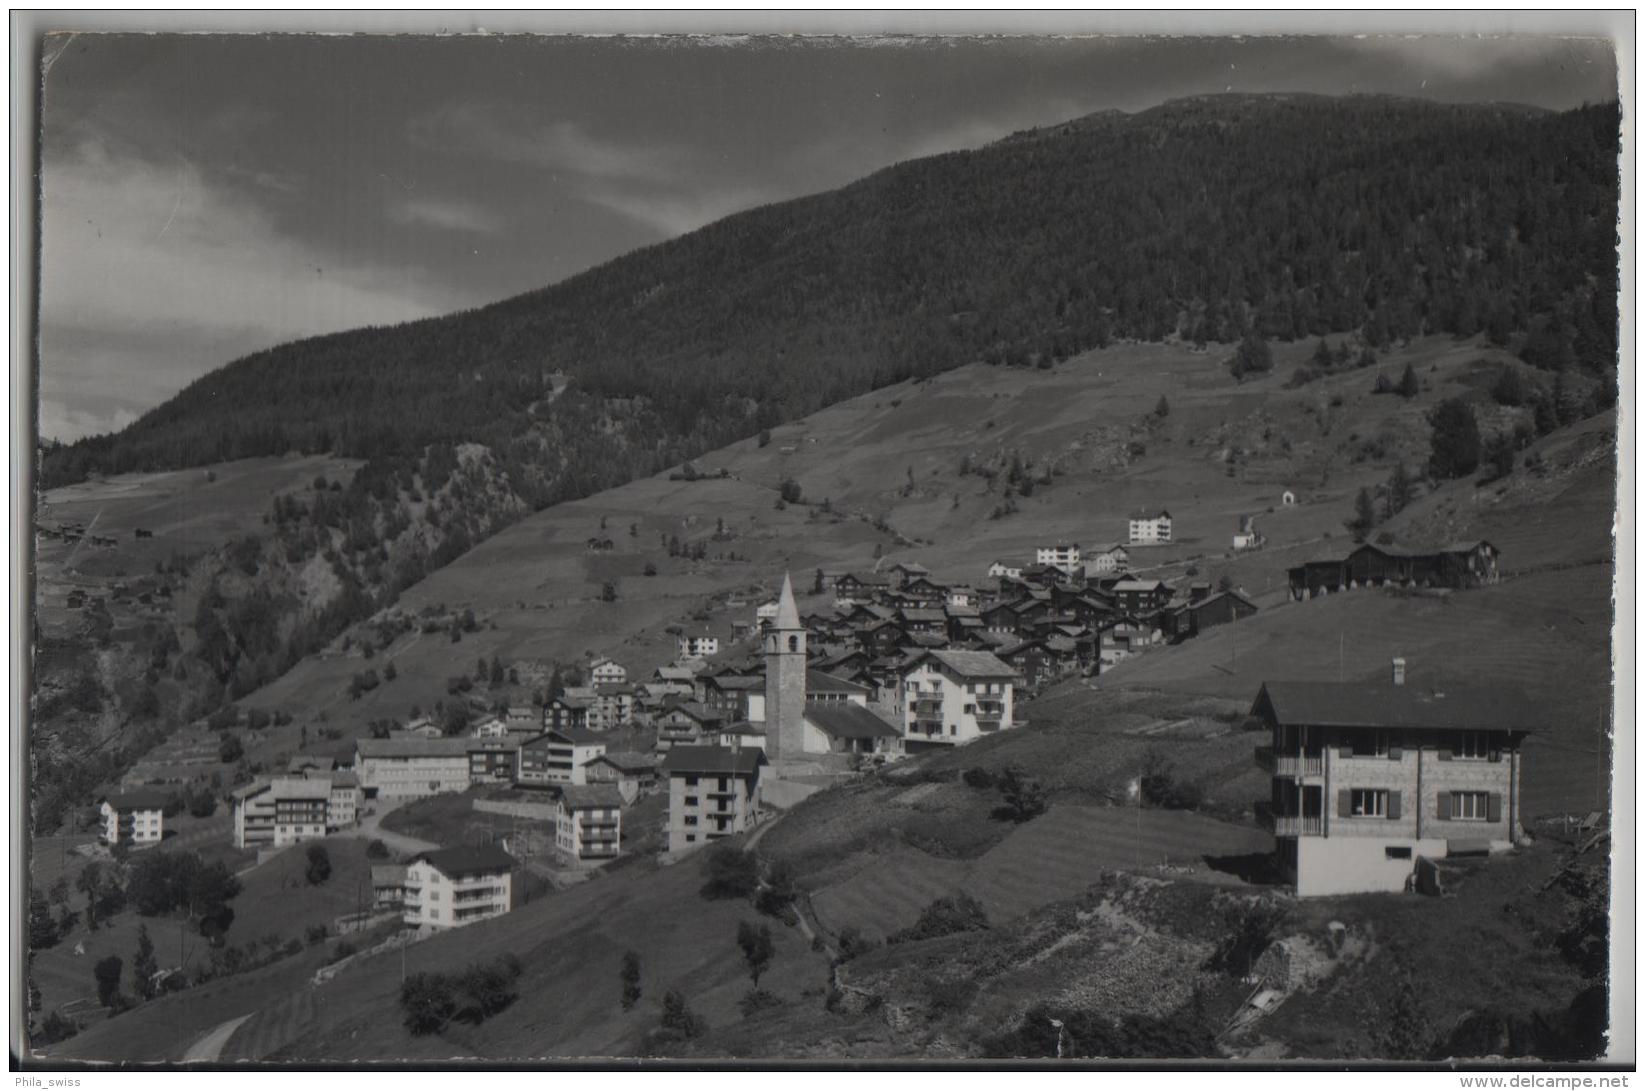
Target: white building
(559, 757)
(713, 792)
(1150, 527)
(951, 697)
(1004, 568)
(286, 810)
(699, 647)
(1065, 557)
(136, 817)
(449, 888)
(588, 821)
(411, 767)
(607, 672)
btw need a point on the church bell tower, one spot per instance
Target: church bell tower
(785, 680)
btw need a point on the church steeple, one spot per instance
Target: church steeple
(788, 615)
(785, 679)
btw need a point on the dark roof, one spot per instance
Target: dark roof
(138, 799)
(1150, 513)
(577, 736)
(468, 860)
(629, 761)
(413, 746)
(1383, 704)
(970, 664)
(1209, 599)
(699, 712)
(576, 796)
(713, 760)
(849, 721)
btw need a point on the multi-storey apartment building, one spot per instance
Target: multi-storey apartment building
(607, 672)
(698, 647)
(558, 757)
(1368, 777)
(588, 821)
(281, 811)
(1064, 556)
(409, 767)
(950, 697)
(713, 792)
(136, 817)
(1149, 527)
(453, 887)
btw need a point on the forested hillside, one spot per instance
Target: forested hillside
(1204, 218)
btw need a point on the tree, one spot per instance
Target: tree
(42, 926)
(1455, 440)
(945, 917)
(1509, 388)
(1162, 408)
(1252, 356)
(498, 675)
(790, 491)
(1400, 489)
(650, 569)
(758, 950)
(732, 873)
(765, 437)
(143, 965)
(608, 592)
(107, 974)
(780, 889)
(1409, 386)
(678, 1016)
(817, 585)
(489, 987)
(389, 671)
(319, 865)
(90, 883)
(1322, 357)
(427, 1002)
(631, 979)
(1365, 515)
(1022, 799)
(230, 749)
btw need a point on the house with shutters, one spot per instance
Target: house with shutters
(1203, 612)
(1107, 559)
(607, 672)
(632, 773)
(686, 723)
(1063, 556)
(135, 817)
(713, 792)
(558, 757)
(588, 822)
(453, 887)
(1368, 777)
(1140, 598)
(951, 697)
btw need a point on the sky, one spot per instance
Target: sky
(204, 197)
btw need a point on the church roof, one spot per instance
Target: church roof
(788, 616)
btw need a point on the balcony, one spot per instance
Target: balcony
(988, 723)
(1291, 765)
(475, 895)
(1291, 825)
(927, 704)
(927, 727)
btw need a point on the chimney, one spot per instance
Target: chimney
(1399, 670)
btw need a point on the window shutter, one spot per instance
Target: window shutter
(1493, 812)
(1345, 807)
(1345, 751)
(1445, 753)
(1496, 752)
(1393, 805)
(1395, 753)
(1445, 805)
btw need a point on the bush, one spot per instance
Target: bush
(679, 1018)
(945, 917)
(777, 894)
(978, 777)
(854, 943)
(315, 933)
(428, 1001)
(1161, 788)
(1021, 799)
(376, 850)
(757, 1000)
(732, 873)
(1455, 440)
(319, 865)
(230, 750)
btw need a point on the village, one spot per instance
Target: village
(1369, 783)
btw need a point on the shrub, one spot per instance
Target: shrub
(777, 894)
(428, 1001)
(978, 777)
(854, 943)
(631, 979)
(319, 865)
(1021, 799)
(732, 873)
(376, 850)
(678, 1016)
(945, 917)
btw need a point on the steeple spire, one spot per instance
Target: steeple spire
(788, 615)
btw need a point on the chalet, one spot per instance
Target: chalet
(1149, 526)
(588, 822)
(568, 712)
(734, 696)
(1317, 577)
(1064, 556)
(1125, 639)
(905, 572)
(410, 767)
(613, 706)
(1005, 569)
(924, 620)
(951, 697)
(1189, 619)
(607, 672)
(1379, 565)
(388, 886)
(492, 760)
(851, 587)
(964, 623)
(424, 728)
(453, 887)
(1468, 564)
(1107, 559)
(713, 792)
(493, 727)
(286, 810)
(1043, 575)
(961, 597)
(1140, 598)
(924, 592)
(685, 724)
(633, 774)
(136, 816)
(1031, 660)
(558, 757)
(1369, 777)
(881, 638)
(848, 727)
(677, 679)
(1002, 617)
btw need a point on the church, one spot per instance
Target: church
(808, 712)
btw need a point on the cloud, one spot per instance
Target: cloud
(678, 214)
(67, 424)
(1463, 58)
(152, 274)
(445, 216)
(559, 146)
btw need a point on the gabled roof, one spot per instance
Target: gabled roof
(468, 860)
(1150, 513)
(582, 796)
(575, 736)
(697, 711)
(914, 614)
(849, 721)
(1385, 550)
(817, 681)
(1465, 547)
(628, 761)
(414, 746)
(967, 664)
(1381, 704)
(713, 760)
(1139, 585)
(311, 761)
(1189, 607)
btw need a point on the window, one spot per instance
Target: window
(690, 801)
(1397, 852)
(690, 782)
(690, 820)
(1473, 746)
(1369, 744)
(1470, 806)
(1368, 803)
(690, 838)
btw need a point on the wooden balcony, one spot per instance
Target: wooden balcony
(1291, 765)
(1292, 825)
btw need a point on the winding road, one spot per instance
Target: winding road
(210, 1045)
